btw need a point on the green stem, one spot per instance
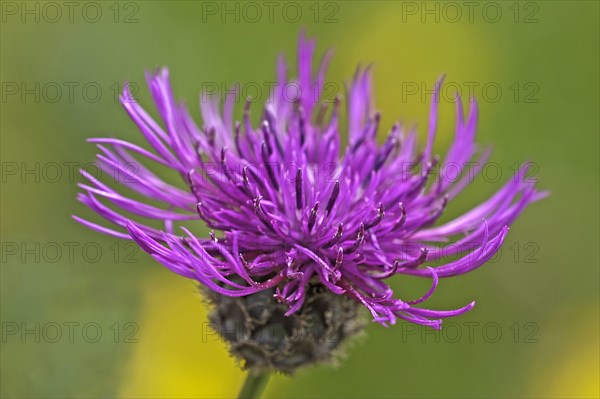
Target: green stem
(254, 386)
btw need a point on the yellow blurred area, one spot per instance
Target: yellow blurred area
(575, 371)
(177, 355)
(577, 377)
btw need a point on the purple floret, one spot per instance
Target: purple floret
(289, 209)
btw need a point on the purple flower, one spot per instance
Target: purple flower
(290, 208)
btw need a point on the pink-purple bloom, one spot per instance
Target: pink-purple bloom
(290, 208)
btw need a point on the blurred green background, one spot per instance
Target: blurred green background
(85, 315)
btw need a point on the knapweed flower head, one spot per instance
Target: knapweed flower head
(293, 210)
